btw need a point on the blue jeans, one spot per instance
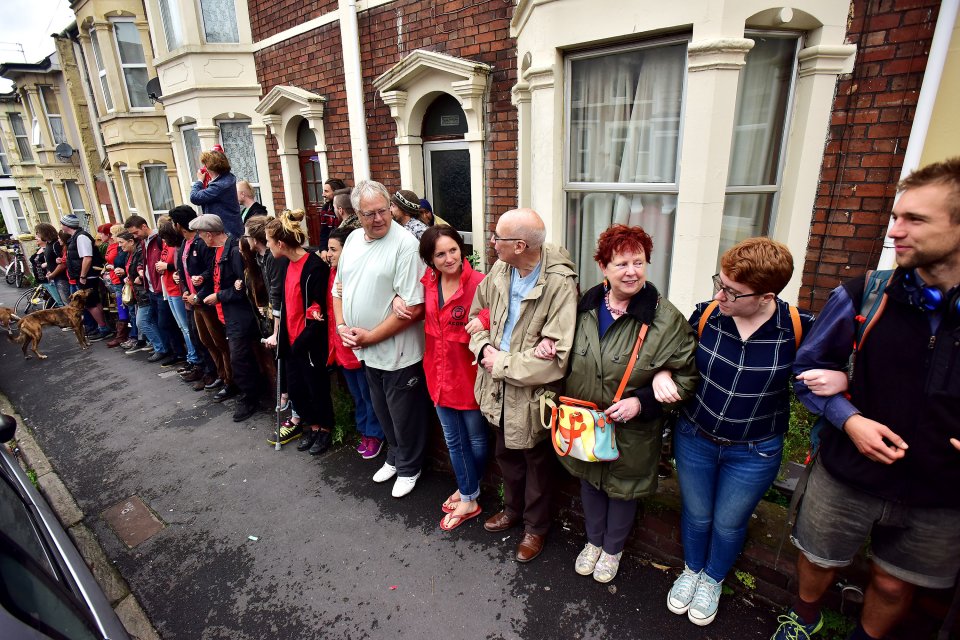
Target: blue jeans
(366, 418)
(180, 316)
(54, 293)
(720, 486)
(148, 323)
(466, 434)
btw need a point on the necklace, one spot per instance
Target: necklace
(612, 310)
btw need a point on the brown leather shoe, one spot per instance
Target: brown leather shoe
(192, 376)
(198, 385)
(530, 547)
(499, 522)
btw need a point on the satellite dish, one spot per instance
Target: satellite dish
(154, 92)
(64, 151)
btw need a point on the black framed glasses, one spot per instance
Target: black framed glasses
(730, 294)
(497, 238)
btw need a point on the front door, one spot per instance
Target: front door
(446, 166)
(312, 183)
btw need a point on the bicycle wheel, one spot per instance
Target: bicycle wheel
(18, 276)
(9, 272)
(24, 302)
(32, 300)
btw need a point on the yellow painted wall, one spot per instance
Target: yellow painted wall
(943, 139)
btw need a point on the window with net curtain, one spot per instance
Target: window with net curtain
(756, 153)
(52, 108)
(237, 143)
(623, 134)
(23, 140)
(219, 20)
(191, 146)
(158, 187)
(4, 162)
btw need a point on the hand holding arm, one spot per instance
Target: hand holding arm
(546, 349)
(824, 382)
(664, 388)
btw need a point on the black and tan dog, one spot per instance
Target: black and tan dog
(31, 325)
(7, 318)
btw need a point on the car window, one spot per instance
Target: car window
(16, 521)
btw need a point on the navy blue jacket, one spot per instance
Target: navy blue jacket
(220, 198)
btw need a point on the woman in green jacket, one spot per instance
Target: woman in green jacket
(609, 318)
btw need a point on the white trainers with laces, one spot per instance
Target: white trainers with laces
(607, 566)
(587, 560)
(703, 609)
(404, 485)
(681, 593)
(385, 472)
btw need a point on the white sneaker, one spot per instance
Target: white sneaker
(587, 559)
(403, 485)
(682, 591)
(607, 566)
(703, 609)
(385, 472)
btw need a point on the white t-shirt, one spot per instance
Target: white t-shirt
(372, 273)
(84, 247)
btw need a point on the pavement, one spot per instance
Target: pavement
(257, 543)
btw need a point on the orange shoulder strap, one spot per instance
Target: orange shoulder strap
(797, 327)
(705, 316)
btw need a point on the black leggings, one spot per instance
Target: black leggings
(309, 390)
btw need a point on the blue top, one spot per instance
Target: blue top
(519, 288)
(220, 198)
(743, 392)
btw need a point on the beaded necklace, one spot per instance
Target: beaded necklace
(613, 311)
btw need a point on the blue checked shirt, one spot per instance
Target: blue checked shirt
(743, 393)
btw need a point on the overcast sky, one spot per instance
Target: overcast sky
(29, 23)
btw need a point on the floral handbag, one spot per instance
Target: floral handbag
(579, 429)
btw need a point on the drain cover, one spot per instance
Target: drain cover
(132, 521)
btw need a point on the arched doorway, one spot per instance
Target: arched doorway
(310, 179)
(446, 164)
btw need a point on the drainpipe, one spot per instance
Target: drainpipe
(353, 81)
(939, 48)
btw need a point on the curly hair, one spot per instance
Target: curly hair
(287, 228)
(762, 264)
(620, 238)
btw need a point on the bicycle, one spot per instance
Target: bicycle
(15, 271)
(34, 300)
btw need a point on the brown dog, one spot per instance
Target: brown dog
(7, 318)
(31, 325)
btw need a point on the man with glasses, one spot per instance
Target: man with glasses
(531, 294)
(378, 262)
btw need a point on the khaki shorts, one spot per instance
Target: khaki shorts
(917, 545)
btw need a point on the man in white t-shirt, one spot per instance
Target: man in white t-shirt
(379, 262)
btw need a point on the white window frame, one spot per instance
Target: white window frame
(124, 66)
(253, 148)
(128, 191)
(22, 139)
(429, 148)
(203, 26)
(170, 22)
(192, 170)
(77, 208)
(52, 116)
(101, 71)
(40, 204)
(5, 169)
(146, 183)
(19, 215)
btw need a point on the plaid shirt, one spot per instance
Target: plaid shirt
(743, 393)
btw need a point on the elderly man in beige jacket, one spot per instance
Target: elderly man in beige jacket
(531, 293)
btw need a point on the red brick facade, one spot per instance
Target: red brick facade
(313, 61)
(872, 116)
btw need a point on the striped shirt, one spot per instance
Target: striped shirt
(743, 393)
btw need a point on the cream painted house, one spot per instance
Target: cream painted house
(208, 80)
(139, 164)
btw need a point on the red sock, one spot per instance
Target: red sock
(808, 612)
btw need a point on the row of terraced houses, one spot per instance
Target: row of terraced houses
(704, 121)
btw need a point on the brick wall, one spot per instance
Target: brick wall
(268, 17)
(476, 31)
(872, 116)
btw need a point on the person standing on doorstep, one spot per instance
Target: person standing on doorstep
(234, 311)
(302, 341)
(194, 274)
(249, 208)
(531, 294)
(219, 196)
(84, 264)
(148, 315)
(378, 263)
(405, 209)
(888, 465)
(371, 433)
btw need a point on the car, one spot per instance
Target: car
(46, 588)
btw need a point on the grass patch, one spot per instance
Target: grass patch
(33, 477)
(836, 626)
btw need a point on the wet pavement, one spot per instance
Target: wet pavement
(258, 544)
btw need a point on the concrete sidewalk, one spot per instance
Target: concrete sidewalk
(335, 556)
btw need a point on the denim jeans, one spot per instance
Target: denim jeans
(466, 434)
(366, 418)
(720, 486)
(54, 293)
(167, 328)
(179, 312)
(148, 323)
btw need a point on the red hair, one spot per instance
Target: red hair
(620, 238)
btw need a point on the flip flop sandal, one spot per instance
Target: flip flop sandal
(449, 506)
(460, 519)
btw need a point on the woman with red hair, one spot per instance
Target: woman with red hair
(610, 317)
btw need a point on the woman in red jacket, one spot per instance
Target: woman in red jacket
(449, 286)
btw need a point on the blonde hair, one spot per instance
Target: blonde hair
(116, 230)
(287, 228)
(244, 186)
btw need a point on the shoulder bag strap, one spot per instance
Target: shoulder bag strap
(633, 360)
(705, 316)
(797, 327)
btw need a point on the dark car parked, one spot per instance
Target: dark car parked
(46, 588)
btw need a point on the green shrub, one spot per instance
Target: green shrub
(797, 442)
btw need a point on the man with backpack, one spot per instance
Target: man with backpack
(888, 464)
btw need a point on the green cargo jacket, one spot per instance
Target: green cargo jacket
(519, 378)
(597, 367)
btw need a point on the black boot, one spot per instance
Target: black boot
(321, 444)
(307, 440)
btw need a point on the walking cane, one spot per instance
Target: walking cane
(279, 409)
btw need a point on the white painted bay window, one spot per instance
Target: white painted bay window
(170, 17)
(133, 64)
(4, 161)
(51, 107)
(21, 218)
(219, 20)
(40, 204)
(237, 141)
(158, 189)
(101, 70)
(128, 191)
(192, 149)
(23, 140)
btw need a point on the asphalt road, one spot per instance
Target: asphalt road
(335, 555)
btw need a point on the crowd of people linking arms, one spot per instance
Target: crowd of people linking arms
(394, 302)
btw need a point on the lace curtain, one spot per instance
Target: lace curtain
(625, 118)
(238, 146)
(191, 145)
(219, 20)
(161, 196)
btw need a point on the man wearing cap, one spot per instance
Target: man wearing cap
(229, 295)
(405, 209)
(84, 264)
